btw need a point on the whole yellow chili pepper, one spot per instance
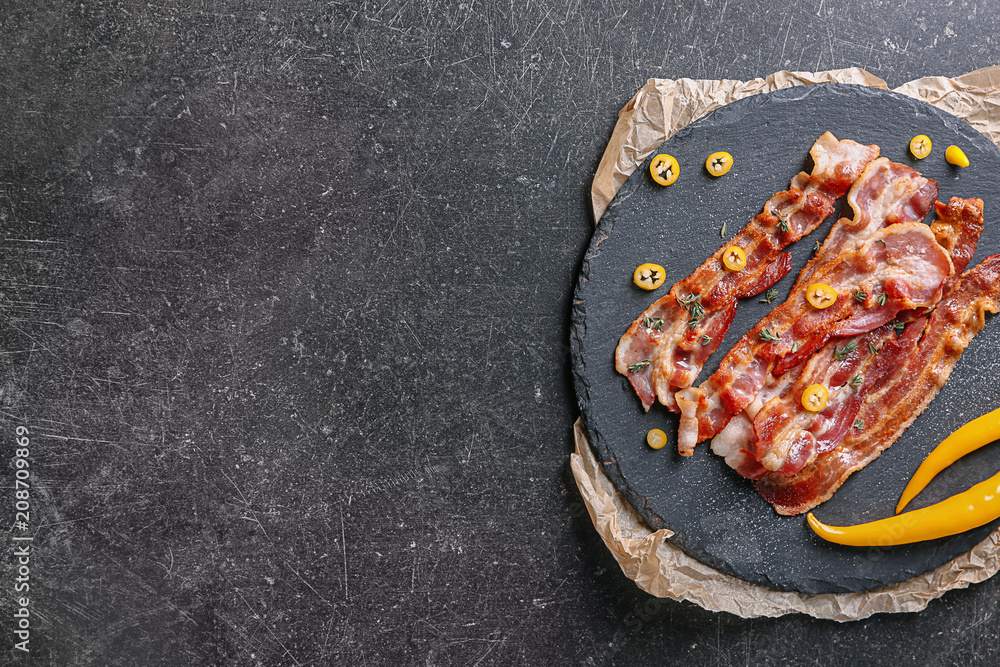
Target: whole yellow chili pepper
(965, 511)
(969, 438)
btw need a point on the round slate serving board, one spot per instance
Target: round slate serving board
(717, 516)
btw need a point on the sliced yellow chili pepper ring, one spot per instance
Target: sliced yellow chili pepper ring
(719, 163)
(920, 146)
(734, 258)
(956, 156)
(821, 295)
(975, 434)
(649, 276)
(814, 398)
(664, 169)
(656, 438)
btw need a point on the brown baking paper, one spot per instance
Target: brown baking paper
(657, 112)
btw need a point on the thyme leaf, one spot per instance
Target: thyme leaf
(782, 219)
(769, 295)
(842, 353)
(769, 336)
(653, 323)
(638, 366)
(857, 381)
(859, 424)
(695, 310)
(880, 299)
(860, 295)
(705, 339)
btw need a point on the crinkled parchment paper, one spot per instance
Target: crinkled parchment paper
(657, 112)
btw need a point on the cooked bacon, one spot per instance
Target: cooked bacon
(737, 440)
(666, 347)
(886, 193)
(788, 436)
(903, 262)
(906, 375)
(958, 228)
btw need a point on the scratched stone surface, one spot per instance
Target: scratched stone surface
(285, 300)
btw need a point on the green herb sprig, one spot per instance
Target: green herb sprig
(842, 353)
(782, 220)
(695, 309)
(655, 323)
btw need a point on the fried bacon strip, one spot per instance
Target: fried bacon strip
(767, 430)
(887, 193)
(737, 441)
(907, 374)
(788, 436)
(900, 268)
(957, 229)
(666, 347)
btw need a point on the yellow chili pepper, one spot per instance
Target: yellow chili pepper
(664, 169)
(821, 295)
(719, 163)
(955, 156)
(920, 146)
(734, 258)
(964, 511)
(814, 398)
(656, 438)
(969, 438)
(649, 276)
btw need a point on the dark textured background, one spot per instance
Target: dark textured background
(285, 303)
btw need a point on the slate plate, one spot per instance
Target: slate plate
(717, 516)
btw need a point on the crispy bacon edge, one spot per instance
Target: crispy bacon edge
(914, 368)
(666, 347)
